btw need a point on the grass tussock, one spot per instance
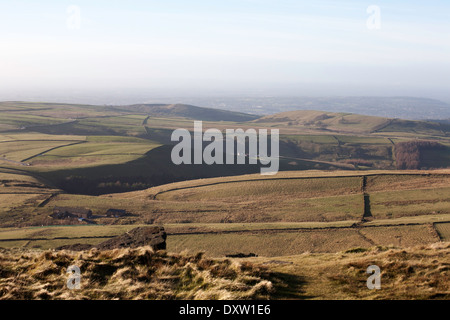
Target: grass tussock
(129, 274)
(415, 273)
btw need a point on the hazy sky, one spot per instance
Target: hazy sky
(318, 47)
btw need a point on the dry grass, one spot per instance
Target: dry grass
(269, 244)
(417, 273)
(421, 272)
(408, 182)
(284, 174)
(255, 190)
(408, 203)
(401, 236)
(279, 244)
(129, 274)
(444, 230)
(8, 201)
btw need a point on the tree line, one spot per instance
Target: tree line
(105, 185)
(409, 154)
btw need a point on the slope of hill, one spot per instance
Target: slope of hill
(353, 123)
(189, 112)
(420, 272)
(17, 114)
(103, 149)
(327, 121)
(128, 274)
(140, 274)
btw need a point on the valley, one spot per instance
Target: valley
(347, 184)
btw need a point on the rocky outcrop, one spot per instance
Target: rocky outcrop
(139, 237)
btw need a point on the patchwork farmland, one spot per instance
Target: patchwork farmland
(337, 200)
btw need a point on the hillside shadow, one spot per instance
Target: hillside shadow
(153, 169)
(288, 286)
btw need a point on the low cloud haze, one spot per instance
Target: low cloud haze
(111, 51)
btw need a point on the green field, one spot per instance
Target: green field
(96, 151)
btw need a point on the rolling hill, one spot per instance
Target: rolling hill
(310, 214)
(353, 123)
(411, 108)
(102, 149)
(188, 112)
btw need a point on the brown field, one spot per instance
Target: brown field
(281, 243)
(444, 230)
(9, 201)
(387, 179)
(378, 183)
(254, 190)
(404, 203)
(401, 236)
(330, 204)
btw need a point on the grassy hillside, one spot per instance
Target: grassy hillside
(329, 121)
(413, 273)
(188, 112)
(125, 274)
(354, 123)
(420, 272)
(103, 149)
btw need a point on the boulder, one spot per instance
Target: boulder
(138, 237)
